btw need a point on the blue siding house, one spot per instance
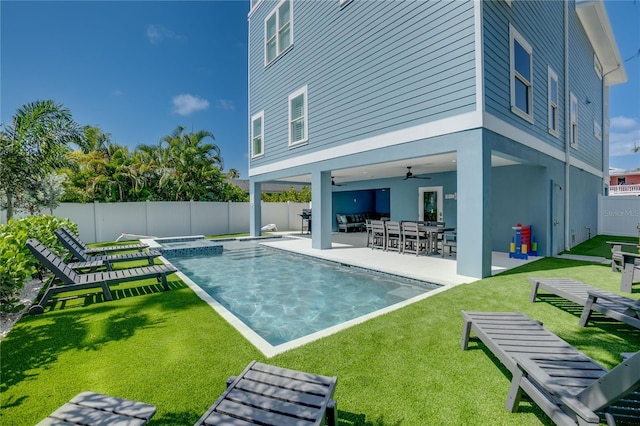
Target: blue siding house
(502, 104)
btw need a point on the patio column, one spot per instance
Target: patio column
(321, 210)
(255, 209)
(474, 210)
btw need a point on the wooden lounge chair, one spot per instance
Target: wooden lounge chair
(66, 279)
(567, 385)
(591, 298)
(88, 408)
(101, 250)
(267, 395)
(77, 252)
(630, 270)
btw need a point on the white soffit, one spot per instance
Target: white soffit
(595, 21)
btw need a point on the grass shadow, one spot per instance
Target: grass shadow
(549, 263)
(59, 333)
(346, 418)
(119, 291)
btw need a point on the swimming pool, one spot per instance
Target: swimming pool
(284, 296)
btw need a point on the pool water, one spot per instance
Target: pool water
(283, 296)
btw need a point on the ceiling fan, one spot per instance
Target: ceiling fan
(410, 175)
(333, 182)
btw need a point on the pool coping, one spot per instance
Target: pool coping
(269, 350)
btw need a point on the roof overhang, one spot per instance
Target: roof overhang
(595, 22)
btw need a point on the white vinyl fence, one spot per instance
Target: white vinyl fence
(619, 215)
(107, 221)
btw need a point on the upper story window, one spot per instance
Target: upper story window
(597, 66)
(257, 132)
(298, 123)
(597, 130)
(553, 103)
(574, 121)
(521, 55)
(278, 31)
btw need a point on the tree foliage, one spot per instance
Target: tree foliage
(181, 167)
(34, 144)
(302, 196)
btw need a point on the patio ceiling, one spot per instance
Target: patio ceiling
(419, 166)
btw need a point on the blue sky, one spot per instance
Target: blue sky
(139, 69)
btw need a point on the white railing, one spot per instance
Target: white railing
(624, 190)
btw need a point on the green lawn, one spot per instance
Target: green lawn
(172, 350)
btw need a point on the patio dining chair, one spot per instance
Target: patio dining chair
(369, 229)
(413, 240)
(378, 234)
(393, 239)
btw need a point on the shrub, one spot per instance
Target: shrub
(17, 264)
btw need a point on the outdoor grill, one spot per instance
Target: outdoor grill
(306, 216)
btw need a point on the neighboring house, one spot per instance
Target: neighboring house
(623, 182)
(502, 104)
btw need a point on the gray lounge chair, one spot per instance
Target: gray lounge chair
(88, 408)
(69, 280)
(101, 250)
(567, 385)
(267, 395)
(79, 253)
(591, 298)
(630, 270)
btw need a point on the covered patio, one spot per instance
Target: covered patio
(350, 249)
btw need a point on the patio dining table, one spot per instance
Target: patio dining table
(432, 232)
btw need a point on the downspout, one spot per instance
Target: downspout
(567, 127)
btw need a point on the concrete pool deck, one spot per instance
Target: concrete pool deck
(350, 249)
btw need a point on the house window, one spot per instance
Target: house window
(597, 130)
(622, 180)
(521, 75)
(597, 66)
(278, 31)
(574, 121)
(298, 125)
(553, 102)
(257, 131)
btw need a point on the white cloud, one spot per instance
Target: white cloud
(158, 33)
(225, 104)
(185, 104)
(624, 136)
(624, 123)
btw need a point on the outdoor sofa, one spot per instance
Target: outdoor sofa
(355, 221)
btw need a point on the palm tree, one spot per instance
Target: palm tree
(95, 140)
(34, 144)
(192, 168)
(233, 173)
